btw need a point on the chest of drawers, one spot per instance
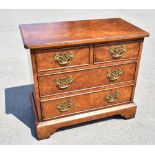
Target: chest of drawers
(82, 70)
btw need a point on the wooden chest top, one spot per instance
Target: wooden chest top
(78, 32)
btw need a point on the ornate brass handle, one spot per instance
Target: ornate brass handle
(114, 75)
(112, 97)
(65, 106)
(117, 52)
(63, 82)
(63, 58)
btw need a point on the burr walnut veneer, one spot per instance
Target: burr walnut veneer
(82, 70)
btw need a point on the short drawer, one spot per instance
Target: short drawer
(76, 80)
(62, 58)
(114, 52)
(84, 102)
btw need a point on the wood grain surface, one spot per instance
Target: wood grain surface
(78, 32)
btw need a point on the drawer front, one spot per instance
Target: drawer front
(115, 52)
(65, 82)
(89, 101)
(62, 58)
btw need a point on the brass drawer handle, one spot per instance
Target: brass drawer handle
(114, 75)
(117, 52)
(112, 97)
(65, 106)
(63, 58)
(63, 83)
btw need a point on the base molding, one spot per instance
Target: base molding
(46, 128)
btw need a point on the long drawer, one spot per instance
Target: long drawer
(87, 101)
(81, 79)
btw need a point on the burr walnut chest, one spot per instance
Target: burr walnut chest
(82, 70)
